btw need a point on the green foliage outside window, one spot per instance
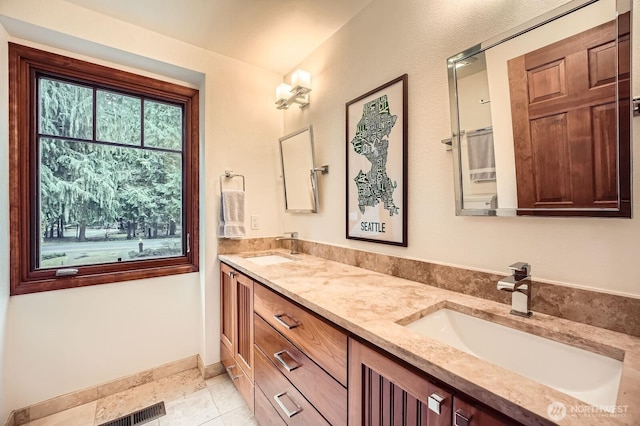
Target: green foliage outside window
(114, 190)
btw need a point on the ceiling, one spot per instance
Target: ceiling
(273, 34)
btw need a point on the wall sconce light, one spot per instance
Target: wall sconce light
(297, 92)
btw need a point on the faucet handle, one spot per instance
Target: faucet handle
(293, 234)
(520, 268)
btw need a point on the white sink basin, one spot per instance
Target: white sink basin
(587, 376)
(271, 259)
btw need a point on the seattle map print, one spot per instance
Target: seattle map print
(371, 141)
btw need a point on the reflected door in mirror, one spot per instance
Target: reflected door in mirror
(565, 122)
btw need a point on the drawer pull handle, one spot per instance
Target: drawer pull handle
(278, 356)
(289, 326)
(284, 407)
(462, 418)
(434, 402)
(231, 376)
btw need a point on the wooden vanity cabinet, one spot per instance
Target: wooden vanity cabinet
(467, 412)
(301, 363)
(236, 330)
(385, 392)
(290, 365)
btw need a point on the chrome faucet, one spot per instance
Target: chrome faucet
(519, 285)
(293, 239)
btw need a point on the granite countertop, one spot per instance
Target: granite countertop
(373, 306)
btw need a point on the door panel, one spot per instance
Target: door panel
(565, 124)
(383, 392)
(244, 314)
(227, 329)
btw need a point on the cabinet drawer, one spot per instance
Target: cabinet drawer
(283, 396)
(265, 413)
(238, 376)
(319, 339)
(468, 413)
(323, 391)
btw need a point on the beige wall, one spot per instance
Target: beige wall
(390, 38)
(61, 341)
(4, 216)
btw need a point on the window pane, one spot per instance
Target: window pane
(65, 109)
(162, 125)
(118, 118)
(104, 204)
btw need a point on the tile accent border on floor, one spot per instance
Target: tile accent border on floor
(60, 403)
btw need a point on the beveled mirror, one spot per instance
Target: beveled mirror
(541, 116)
(299, 173)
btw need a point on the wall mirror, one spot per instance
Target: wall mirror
(541, 116)
(299, 172)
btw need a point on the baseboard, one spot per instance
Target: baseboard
(11, 420)
(211, 370)
(55, 405)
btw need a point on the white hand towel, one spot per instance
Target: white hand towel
(231, 214)
(482, 162)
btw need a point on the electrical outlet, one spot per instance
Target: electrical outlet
(255, 223)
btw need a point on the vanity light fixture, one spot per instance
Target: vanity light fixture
(297, 92)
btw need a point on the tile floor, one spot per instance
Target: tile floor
(189, 401)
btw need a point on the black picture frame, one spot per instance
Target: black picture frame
(376, 164)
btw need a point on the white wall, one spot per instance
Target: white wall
(473, 115)
(66, 340)
(4, 214)
(60, 341)
(390, 38)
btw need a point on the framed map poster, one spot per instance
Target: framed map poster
(377, 165)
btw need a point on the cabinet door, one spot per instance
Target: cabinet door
(467, 413)
(382, 392)
(227, 314)
(244, 323)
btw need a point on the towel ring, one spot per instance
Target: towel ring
(228, 174)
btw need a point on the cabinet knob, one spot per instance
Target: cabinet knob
(461, 418)
(434, 402)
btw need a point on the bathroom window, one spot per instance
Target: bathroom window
(104, 174)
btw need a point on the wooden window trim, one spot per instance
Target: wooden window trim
(24, 63)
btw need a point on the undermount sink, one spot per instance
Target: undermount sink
(270, 259)
(585, 375)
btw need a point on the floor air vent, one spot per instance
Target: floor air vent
(139, 417)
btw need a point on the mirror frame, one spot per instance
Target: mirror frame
(624, 185)
(312, 172)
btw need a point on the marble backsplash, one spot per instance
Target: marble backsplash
(613, 312)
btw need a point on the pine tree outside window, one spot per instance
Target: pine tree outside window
(104, 174)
